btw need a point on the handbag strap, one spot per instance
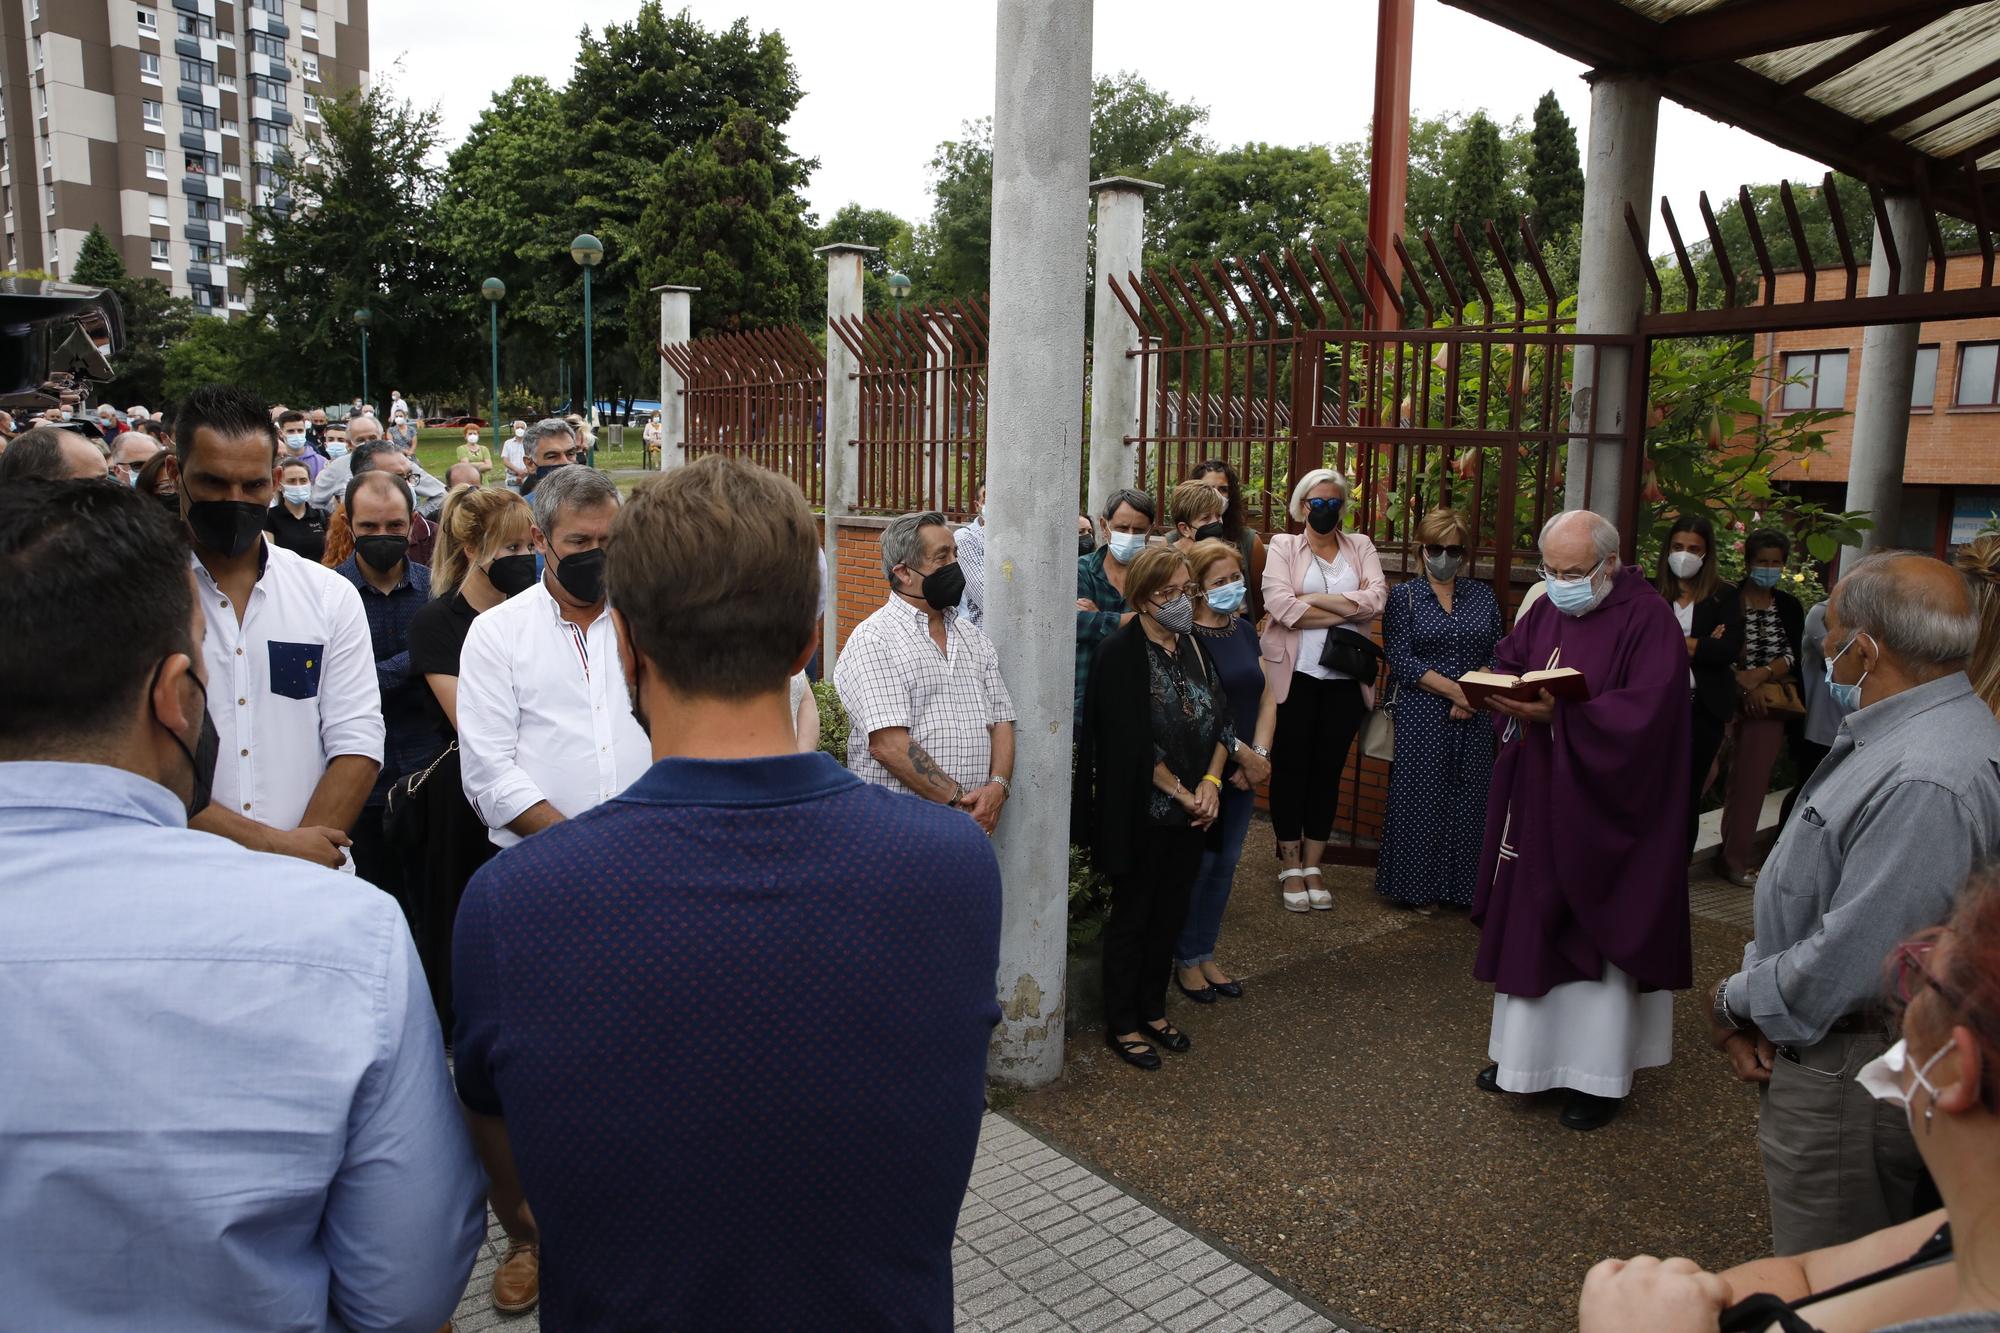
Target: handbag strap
(414, 783)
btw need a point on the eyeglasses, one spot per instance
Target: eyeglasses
(1168, 593)
(1433, 550)
(1325, 502)
(1910, 972)
(1565, 575)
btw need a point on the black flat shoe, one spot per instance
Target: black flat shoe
(1489, 1079)
(1135, 1053)
(1586, 1112)
(1233, 989)
(1170, 1037)
(1206, 995)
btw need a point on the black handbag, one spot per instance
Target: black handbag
(405, 816)
(1351, 654)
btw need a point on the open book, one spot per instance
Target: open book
(1561, 682)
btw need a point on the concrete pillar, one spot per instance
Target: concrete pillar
(676, 326)
(1041, 207)
(843, 422)
(1882, 399)
(1611, 283)
(1114, 372)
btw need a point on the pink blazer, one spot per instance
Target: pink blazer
(1285, 569)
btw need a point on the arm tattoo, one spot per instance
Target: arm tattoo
(934, 777)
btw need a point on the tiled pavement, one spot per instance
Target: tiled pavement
(1045, 1243)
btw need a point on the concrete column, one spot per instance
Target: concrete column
(676, 326)
(1882, 399)
(843, 422)
(1041, 207)
(1114, 372)
(1610, 284)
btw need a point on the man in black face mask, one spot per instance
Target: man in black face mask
(380, 509)
(551, 443)
(286, 643)
(927, 711)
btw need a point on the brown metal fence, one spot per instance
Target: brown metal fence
(759, 395)
(922, 382)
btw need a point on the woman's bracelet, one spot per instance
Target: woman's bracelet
(1210, 777)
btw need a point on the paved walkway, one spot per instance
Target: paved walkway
(1045, 1243)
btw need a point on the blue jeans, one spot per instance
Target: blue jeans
(1211, 883)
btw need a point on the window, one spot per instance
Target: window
(204, 298)
(202, 164)
(226, 82)
(309, 66)
(192, 70)
(266, 132)
(149, 66)
(156, 209)
(38, 53)
(1923, 388)
(205, 252)
(156, 162)
(231, 127)
(1977, 366)
(149, 110)
(204, 210)
(197, 117)
(264, 44)
(264, 178)
(226, 38)
(159, 246)
(311, 105)
(149, 22)
(275, 8)
(194, 25)
(267, 88)
(309, 23)
(1818, 379)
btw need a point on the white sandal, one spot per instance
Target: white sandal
(1300, 901)
(1321, 900)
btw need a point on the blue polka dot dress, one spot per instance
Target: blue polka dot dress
(1436, 825)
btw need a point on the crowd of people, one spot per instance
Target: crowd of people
(513, 766)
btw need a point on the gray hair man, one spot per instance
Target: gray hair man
(927, 710)
(550, 443)
(546, 729)
(1904, 808)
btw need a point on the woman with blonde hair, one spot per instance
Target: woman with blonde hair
(1979, 561)
(1322, 588)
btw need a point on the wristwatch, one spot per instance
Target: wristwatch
(1002, 783)
(1721, 1015)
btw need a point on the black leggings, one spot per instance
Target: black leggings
(1316, 726)
(1148, 907)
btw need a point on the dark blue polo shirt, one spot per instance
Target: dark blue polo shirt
(736, 1020)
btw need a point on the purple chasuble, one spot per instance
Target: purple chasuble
(1586, 859)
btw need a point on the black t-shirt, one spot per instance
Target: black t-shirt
(301, 536)
(437, 637)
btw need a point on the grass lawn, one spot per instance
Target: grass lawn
(437, 449)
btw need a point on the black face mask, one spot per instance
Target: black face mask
(381, 553)
(1209, 532)
(1085, 543)
(510, 574)
(1324, 518)
(226, 528)
(207, 747)
(170, 502)
(582, 575)
(944, 586)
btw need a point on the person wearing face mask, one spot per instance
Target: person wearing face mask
(292, 522)
(1582, 896)
(551, 443)
(138, 950)
(514, 456)
(1318, 583)
(927, 712)
(1904, 808)
(298, 709)
(1195, 509)
(1707, 613)
(1220, 475)
(1101, 607)
(1156, 736)
(394, 587)
(1434, 630)
(545, 727)
(475, 453)
(1937, 1273)
(1771, 622)
(296, 443)
(971, 542)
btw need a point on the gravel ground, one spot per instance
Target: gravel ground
(1326, 1126)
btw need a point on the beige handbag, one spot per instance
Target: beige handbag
(1378, 730)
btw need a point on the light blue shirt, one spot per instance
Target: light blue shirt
(223, 1096)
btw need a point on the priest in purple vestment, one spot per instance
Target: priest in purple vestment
(1582, 901)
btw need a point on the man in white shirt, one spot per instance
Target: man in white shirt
(514, 456)
(545, 725)
(290, 666)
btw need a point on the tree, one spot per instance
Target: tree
(1555, 172)
(894, 244)
(97, 262)
(212, 352)
(1479, 183)
(726, 220)
(1133, 125)
(1258, 198)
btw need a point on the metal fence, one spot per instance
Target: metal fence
(922, 382)
(759, 395)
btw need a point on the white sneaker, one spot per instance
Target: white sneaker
(1299, 901)
(1319, 898)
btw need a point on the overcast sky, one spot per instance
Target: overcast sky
(886, 80)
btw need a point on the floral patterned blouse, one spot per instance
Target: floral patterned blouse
(1190, 718)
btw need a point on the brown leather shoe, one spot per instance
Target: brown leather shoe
(517, 1282)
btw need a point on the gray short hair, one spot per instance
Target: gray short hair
(1139, 500)
(1311, 481)
(900, 543)
(544, 428)
(1603, 532)
(1909, 622)
(573, 486)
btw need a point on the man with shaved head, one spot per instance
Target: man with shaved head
(1582, 901)
(1904, 808)
(130, 452)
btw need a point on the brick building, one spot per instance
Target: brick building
(161, 121)
(1952, 469)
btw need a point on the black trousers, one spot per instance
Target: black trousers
(378, 862)
(1705, 740)
(1317, 723)
(1148, 907)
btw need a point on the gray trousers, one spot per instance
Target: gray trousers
(1838, 1164)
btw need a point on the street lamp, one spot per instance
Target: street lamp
(899, 287)
(494, 290)
(588, 251)
(362, 318)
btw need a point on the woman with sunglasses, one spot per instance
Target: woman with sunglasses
(1706, 609)
(1434, 630)
(1939, 1273)
(1317, 583)
(1154, 739)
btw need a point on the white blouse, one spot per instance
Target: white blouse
(1336, 575)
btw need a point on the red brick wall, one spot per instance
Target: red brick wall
(859, 588)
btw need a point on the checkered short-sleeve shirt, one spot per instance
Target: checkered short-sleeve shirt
(891, 674)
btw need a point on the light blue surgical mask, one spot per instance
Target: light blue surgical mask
(298, 495)
(1766, 578)
(1228, 599)
(295, 442)
(1574, 597)
(1125, 546)
(132, 477)
(1847, 698)
(336, 448)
